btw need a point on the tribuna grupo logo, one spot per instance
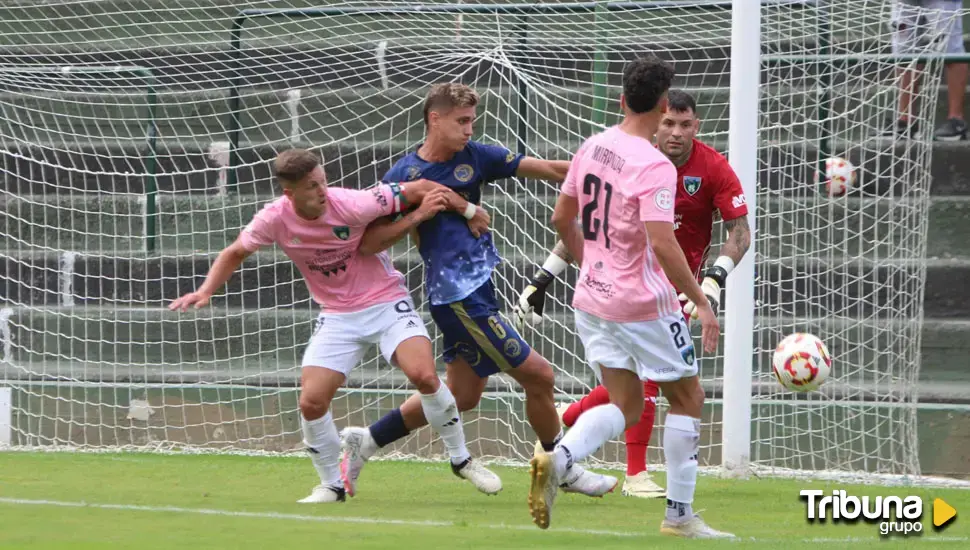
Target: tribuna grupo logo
(899, 515)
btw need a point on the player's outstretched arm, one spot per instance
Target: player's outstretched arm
(383, 233)
(415, 191)
(715, 277)
(222, 269)
(674, 263)
(549, 170)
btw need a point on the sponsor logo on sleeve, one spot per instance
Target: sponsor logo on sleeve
(664, 199)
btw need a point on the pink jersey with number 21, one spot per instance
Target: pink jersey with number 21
(622, 181)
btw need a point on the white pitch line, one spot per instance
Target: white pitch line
(302, 517)
(422, 523)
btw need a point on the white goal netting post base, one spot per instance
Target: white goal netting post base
(93, 253)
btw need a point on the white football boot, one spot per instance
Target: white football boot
(358, 446)
(580, 480)
(642, 486)
(481, 477)
(323, 493)
(694, 528)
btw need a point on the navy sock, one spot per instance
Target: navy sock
(549, 447)
(389, 428)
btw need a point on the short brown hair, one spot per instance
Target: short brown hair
(449, 95)
(294, 164)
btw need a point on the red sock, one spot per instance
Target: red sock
(638, 437)
(599, 396)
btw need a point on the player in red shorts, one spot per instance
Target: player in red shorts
(706, 182)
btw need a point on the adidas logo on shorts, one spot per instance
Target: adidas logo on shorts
(411, 324)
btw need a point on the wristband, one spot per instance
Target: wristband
(725, 263)
(719, 271)
(470, 210)
(396, 197)
(555, 265)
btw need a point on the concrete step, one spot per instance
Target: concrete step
(803, 287)
(325, 115)
(228, 345)
(807, 226)
(120, 166)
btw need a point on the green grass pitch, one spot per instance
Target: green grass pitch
(132, 500)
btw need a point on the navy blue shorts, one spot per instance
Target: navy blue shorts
(474, 330)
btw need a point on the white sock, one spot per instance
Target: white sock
(593, 429)
(681, 445)
(323, 444)
(442, 414)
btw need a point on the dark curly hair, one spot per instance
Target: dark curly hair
(645, 81)
(681, 101)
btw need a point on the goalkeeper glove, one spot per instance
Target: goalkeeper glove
(528, 308)
(715, 278)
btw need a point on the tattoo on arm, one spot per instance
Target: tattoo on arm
(561, 251)
(739, 238)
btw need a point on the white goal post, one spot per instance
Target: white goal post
(117, 196)
(743, 156)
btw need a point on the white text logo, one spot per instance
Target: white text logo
(893, 514)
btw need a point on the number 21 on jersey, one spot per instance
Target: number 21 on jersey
(592, 185)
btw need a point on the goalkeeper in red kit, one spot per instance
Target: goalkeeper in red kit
(706, 182)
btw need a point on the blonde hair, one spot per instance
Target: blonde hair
(294, 164)
(447, 96)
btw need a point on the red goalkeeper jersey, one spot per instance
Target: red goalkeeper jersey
(705, 183)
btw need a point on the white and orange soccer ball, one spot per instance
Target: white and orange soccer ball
(839, 176)
(801, 362)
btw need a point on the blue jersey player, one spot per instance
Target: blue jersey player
(459, 257)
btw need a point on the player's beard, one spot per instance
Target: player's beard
(679, 155)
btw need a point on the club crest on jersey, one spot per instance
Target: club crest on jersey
(509, 157)
(464, 173)
(692, 184)
(342, 232)
(412, 173)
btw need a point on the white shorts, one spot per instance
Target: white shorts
(340, 340)
(661, 350)
(921, 24)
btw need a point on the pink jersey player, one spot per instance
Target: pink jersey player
(363, 298)
(622, 181)
(627, 313)
(325, 250)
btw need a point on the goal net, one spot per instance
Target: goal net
(136, 145)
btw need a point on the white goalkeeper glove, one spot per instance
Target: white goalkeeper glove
(715, 278)
(528, 308)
